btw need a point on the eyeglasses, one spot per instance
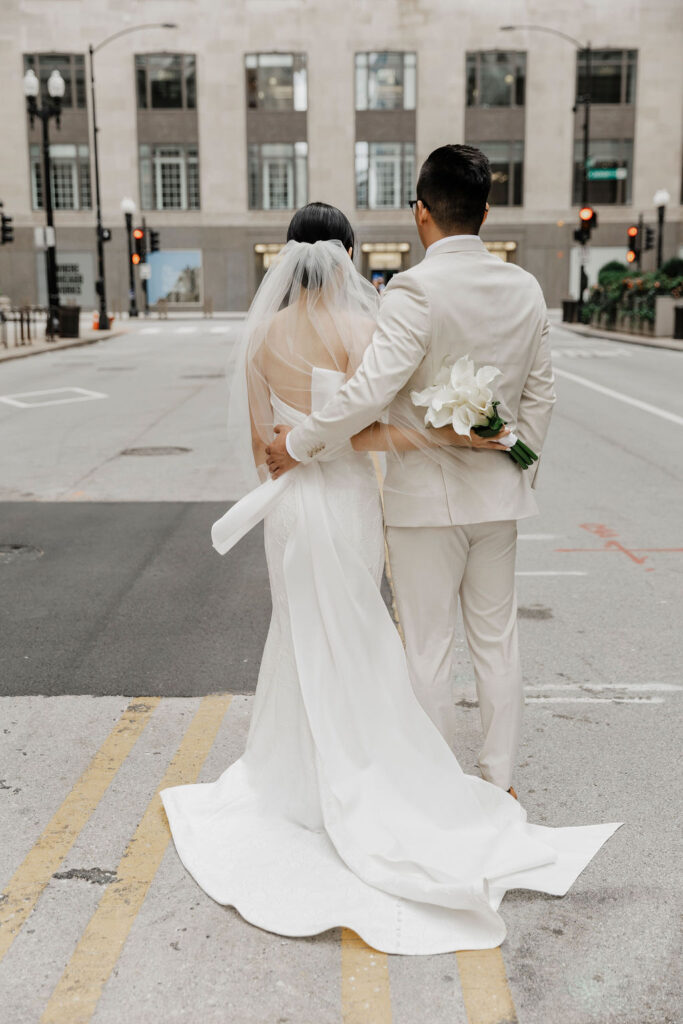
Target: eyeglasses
(412, 203)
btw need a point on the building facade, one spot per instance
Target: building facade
(221, 127)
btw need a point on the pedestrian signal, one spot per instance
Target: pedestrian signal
(649, 239)
(153, 241)
(7, 231)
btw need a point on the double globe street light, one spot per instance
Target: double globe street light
(51, 107)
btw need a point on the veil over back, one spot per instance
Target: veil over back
(313, 309)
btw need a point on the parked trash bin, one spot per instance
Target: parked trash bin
(570, 311)
(678, 322)
(69, 318)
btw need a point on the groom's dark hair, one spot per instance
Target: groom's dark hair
(454, 184)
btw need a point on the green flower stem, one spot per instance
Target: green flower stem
(520, 452)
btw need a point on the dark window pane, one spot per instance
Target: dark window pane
(190, 82)
(141, 84)
(165, 80)
(79, 75)
(500, 185)
(608, 68)
(518, 184)
(471, 79)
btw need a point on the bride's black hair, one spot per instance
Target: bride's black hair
(320, 222)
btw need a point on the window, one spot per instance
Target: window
(610, 171)
(276, 81)
(496, 78)
(169, 178)
(385, 174)
(386, 81)
(70, 167)
(278, 175)
(166, 81)
(613, 76)
(507, 172)
(70, 66)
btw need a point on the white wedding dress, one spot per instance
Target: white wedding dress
(348, 808)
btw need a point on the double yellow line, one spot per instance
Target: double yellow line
(75, 996)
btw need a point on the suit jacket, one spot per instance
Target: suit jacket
(460, 300)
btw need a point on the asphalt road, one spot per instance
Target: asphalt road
(109, 586)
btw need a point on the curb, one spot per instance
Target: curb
(672, 344)
(21, 351)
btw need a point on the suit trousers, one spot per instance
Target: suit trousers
(431, 567)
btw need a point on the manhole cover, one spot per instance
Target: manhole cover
(160, 450)
(14, 552)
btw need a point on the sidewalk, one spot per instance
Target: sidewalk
(39, 345)
(589, 331)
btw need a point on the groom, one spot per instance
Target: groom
(452, 532)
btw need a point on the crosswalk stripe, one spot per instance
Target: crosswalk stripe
(29, 880)
(485, 988)
(77, 992)
(365, 982)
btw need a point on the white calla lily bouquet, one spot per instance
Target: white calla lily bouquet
(462, 398)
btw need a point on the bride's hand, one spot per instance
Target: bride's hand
(448, 436)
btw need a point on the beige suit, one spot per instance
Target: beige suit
(453, 532)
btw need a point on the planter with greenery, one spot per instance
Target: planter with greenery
(625, 299)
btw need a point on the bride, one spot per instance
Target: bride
(347, 807)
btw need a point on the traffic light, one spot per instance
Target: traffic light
(139, 254)
(633, 253)
(649, 239)
(153, 241)
(588, 219)
(7, 234)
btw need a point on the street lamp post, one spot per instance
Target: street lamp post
(585, 99)
(100, 286)
(48, 109)
(661, 200)
(128, 208)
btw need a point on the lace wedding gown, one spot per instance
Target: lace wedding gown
(348, 808)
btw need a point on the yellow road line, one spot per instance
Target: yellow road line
(80, 986)
(365, 982)
(485, 989)
(29, 880)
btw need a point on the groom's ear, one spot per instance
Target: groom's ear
(486, 213)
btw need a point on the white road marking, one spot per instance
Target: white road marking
(672, 417)
(549, 572)
(222, 329)
(186, 330)
(590, 353)
(150, 330)
(594, 700)
(662, 687)
(73, 395)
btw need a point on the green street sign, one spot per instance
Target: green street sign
(607, 173)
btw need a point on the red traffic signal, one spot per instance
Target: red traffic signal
(138, 233)
(630, 256)
(135, 258)
(632, 232)
(634, 244)
(586, 213)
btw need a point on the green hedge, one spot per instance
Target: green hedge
(621, 290)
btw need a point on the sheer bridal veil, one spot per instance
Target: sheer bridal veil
(313, 309)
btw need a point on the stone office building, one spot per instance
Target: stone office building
(221, 127)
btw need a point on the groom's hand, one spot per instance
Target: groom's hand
(489, 442)
(278, 458)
